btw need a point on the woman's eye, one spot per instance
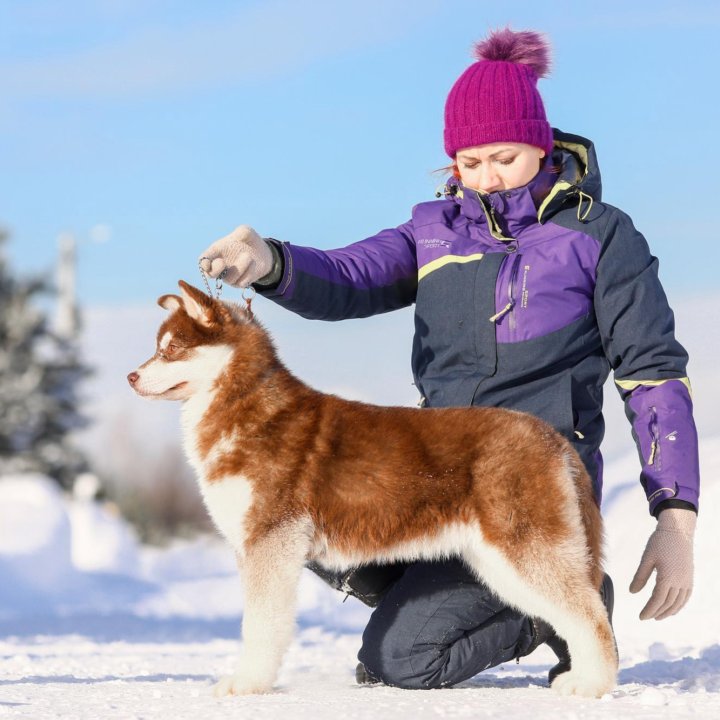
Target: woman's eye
(506, 161)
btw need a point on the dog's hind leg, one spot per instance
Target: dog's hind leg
(552, 582)
(270, 571)
(583, 624)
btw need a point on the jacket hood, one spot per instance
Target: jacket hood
(579, 176)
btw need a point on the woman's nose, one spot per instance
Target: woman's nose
(489, 180)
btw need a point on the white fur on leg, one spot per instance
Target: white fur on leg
(575, 616)
(270, 572)
(593, 656)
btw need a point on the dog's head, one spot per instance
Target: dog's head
(194, 345)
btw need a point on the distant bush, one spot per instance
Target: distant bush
(156, 492)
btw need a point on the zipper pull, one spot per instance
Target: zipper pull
(654, 434)
(653, 451)
(504, 311)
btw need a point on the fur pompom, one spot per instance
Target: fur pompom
(524, 46)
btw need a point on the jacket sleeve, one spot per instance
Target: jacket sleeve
(638, 333)
(369, 277)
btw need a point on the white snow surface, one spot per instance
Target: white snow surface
(94, 625)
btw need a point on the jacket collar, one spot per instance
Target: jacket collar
(508, 212)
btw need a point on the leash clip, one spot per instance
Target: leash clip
(248, 299)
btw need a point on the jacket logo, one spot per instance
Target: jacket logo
(524, 295)
(434, 242)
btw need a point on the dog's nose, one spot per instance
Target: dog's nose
(133, 378)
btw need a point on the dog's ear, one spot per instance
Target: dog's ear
(170, 302)
(199, 306)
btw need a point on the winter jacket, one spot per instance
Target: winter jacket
(526, 299)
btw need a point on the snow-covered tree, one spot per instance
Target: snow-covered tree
(39, 377)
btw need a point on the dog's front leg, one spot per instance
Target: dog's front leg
(270, 571)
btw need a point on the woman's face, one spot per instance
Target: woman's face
(498, 166)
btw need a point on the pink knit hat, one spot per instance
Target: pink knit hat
(496, 99)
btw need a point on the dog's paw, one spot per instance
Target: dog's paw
(575, 683)
(240, 685)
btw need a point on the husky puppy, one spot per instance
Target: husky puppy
(290, 474)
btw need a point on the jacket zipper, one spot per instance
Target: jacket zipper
(511, 293)
(493, 224)
(511, 290)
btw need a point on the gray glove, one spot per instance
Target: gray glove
(669, 552)
(243, 255)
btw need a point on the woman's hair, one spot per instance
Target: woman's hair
(451, 170)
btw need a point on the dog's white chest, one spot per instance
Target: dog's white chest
(228, 501)
(229, 498)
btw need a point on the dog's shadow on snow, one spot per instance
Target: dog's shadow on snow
(685, 674)
(690, 673)
(487, 681)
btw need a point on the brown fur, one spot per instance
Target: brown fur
(422, 463)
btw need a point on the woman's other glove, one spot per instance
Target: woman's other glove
(669, 551)
(243, 255)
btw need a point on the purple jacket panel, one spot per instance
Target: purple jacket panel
(372, 276)
(662, 420)
(380, 260)
(547, 280)
(545, 286)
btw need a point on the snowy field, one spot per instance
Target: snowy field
(93, 625)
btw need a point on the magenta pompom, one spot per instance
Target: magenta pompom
(525, 46)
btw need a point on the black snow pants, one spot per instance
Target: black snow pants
(437, 626)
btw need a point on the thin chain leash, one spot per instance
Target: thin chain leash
(218, 280)
(219, 288)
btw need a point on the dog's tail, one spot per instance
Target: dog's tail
(590, 515)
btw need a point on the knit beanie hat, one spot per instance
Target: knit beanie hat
(496, 99)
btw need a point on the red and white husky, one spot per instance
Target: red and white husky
(290, 474)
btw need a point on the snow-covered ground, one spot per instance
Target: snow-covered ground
(93, 625)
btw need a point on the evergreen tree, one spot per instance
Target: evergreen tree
(39, 377)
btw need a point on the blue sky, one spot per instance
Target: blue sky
(170, 122)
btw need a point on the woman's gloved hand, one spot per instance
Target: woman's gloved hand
(243, 255)
(669, 552)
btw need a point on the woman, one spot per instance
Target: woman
(528, 290)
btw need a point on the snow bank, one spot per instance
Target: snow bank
(33, 521)
(64, 556)
(35, 540)
(101, 540)
(48, 542)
